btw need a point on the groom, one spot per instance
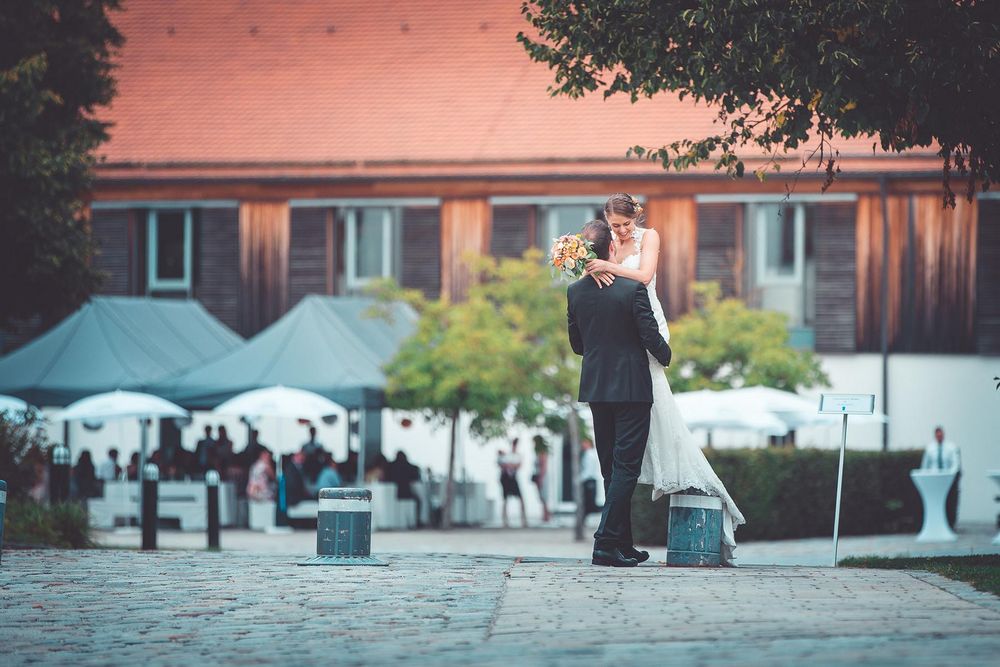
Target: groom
(612, 327)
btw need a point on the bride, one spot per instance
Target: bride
(673, 460)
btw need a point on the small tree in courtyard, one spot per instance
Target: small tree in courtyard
(462, 358)
(723, 344)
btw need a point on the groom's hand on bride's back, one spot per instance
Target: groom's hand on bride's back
(649, 332)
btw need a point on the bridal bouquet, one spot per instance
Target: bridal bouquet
(569, 255)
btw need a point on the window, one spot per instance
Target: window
(169, 259)
(554, 221)
(780, 243)
(781, 269)
(371, 245)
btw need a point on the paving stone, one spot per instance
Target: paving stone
(183, 607)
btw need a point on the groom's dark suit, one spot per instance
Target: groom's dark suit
(612, 327)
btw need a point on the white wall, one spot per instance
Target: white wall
(926, 390)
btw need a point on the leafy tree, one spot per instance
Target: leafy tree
(914, 73)
(722, 344)
(55, 70)
(459, 360)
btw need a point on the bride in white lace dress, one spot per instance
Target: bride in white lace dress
(673, 461)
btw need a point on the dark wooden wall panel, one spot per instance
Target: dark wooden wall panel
(513, 230)
(110, 233)
(421, 252)
(988, 278)
(720, 246)
(676, 221)
(217, 272)
(307, 264)
(833, 226)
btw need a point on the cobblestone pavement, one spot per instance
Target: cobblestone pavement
(185, 607)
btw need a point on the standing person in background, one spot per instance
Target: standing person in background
(509, 465)
(590, 471)
(225, 458)
(404, 474)
(109, 469)
(85, 477)
(540, 475)
(942, 455)
(132, 468)
(313, 452)
(204, 453)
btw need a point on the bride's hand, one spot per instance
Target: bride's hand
(599, 266)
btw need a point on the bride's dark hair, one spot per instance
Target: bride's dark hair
(622, 203)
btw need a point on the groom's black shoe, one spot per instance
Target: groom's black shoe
(632, 552)
(612, 558)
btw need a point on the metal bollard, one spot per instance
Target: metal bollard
(59, 474)
(3, 511)
(212, 498)
(694, 529)
(344, 528)
(150, 481)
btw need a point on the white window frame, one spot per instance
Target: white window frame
(761, 275)
(152, 282)
(353, 280)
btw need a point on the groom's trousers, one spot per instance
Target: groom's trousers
(620, 434)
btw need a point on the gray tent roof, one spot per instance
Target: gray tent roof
(114, 343)
(329, 345)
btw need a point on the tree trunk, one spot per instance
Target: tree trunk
(449, 486)
(574, 448)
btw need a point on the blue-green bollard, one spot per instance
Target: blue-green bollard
(3, 511)
(344, 528)
(694, 530)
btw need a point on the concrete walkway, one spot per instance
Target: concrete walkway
(188, 607)
(558, 542)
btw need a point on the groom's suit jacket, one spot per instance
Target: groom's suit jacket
(612, 327)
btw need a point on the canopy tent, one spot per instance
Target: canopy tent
(327, 345)
(114, 343)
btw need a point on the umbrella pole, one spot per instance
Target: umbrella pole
(143, 443)
(361, 446)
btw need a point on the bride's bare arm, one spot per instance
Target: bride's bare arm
(647, 261)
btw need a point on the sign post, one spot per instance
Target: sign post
(843, 404)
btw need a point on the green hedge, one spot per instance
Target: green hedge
(791, 493)
(64, 525)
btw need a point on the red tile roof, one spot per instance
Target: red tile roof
(340, 84)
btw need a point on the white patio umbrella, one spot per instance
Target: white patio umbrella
(794, 410)
(14, 409)
(711, 410)
(279, 401)
(123, 405)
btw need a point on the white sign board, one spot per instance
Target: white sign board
(847, 404)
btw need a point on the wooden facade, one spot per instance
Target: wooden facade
(932, 274)
(253, 260)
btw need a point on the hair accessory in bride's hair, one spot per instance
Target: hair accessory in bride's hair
(635, 205)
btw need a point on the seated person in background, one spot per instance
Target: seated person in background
(295, 482)
(328, 478)
(349, 468)
(260, 486)
(376, 471)
(404, 474)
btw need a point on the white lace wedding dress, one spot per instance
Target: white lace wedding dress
(673, 461)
